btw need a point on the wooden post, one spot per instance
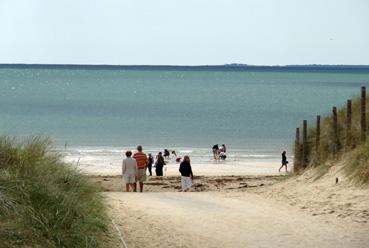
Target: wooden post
(304, 144)
(317, 139)
(335, 130)
(297, 136)
(348, 124)
(297, 157)
(362, 110)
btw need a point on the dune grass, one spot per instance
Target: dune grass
(345, 146)
(45, 203)
(357, 164)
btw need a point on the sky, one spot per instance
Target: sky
(184, 32)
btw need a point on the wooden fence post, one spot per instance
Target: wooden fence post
(304, 144)
(317, 138)
(348, 124)
(335, 130)
(297, 156)
(363, 117)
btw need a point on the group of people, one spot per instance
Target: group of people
(219, 153)
(159, 164)
(134, 169)
(167, 155)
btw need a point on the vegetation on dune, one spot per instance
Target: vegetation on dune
(357, 164)
(337, 144)
(45, 203)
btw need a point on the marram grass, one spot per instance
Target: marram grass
(357, 164)
(45, 203)
(346, 146)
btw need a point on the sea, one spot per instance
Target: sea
(95, 113)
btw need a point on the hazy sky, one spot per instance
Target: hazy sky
(184, 32)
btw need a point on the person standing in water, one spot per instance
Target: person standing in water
(215, 151)
(224, 148)
(284, 161)
(186, 173)
(166, 153)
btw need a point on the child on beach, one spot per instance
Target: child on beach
(284, 161)
(186, 173)
(129, 170)
(178, 159)
(150, 161)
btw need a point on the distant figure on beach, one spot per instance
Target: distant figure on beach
(141, 160)
(186, 173)
(150, 162)
(284, 161)
(129, 170)
(222, 155)
(223, 148)
(178, 159)
(159, 164)
(166, 153)
(215, 151)
(222, 152)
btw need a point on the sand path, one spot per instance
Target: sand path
(218, 219)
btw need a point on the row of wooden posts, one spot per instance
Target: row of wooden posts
(304, 145)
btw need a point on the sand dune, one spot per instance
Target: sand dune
(242, 211)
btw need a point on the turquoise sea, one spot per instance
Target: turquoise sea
(253, 110)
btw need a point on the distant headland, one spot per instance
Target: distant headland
(227, 67)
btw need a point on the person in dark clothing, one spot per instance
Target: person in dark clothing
(284, 161)
(150, 161)
(166, 153)
(216, 151)
(186, 174)
(159, 164)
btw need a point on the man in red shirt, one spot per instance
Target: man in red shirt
(141, 160)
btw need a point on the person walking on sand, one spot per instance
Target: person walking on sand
(284, 161)
(141, 160)
(150, 161)
(186, 173)
(129, 170)
(159, 164)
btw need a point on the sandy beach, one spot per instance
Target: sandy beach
(241, 211)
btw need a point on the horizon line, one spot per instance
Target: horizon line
(199, 65)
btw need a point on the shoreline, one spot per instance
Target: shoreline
(108, 160)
